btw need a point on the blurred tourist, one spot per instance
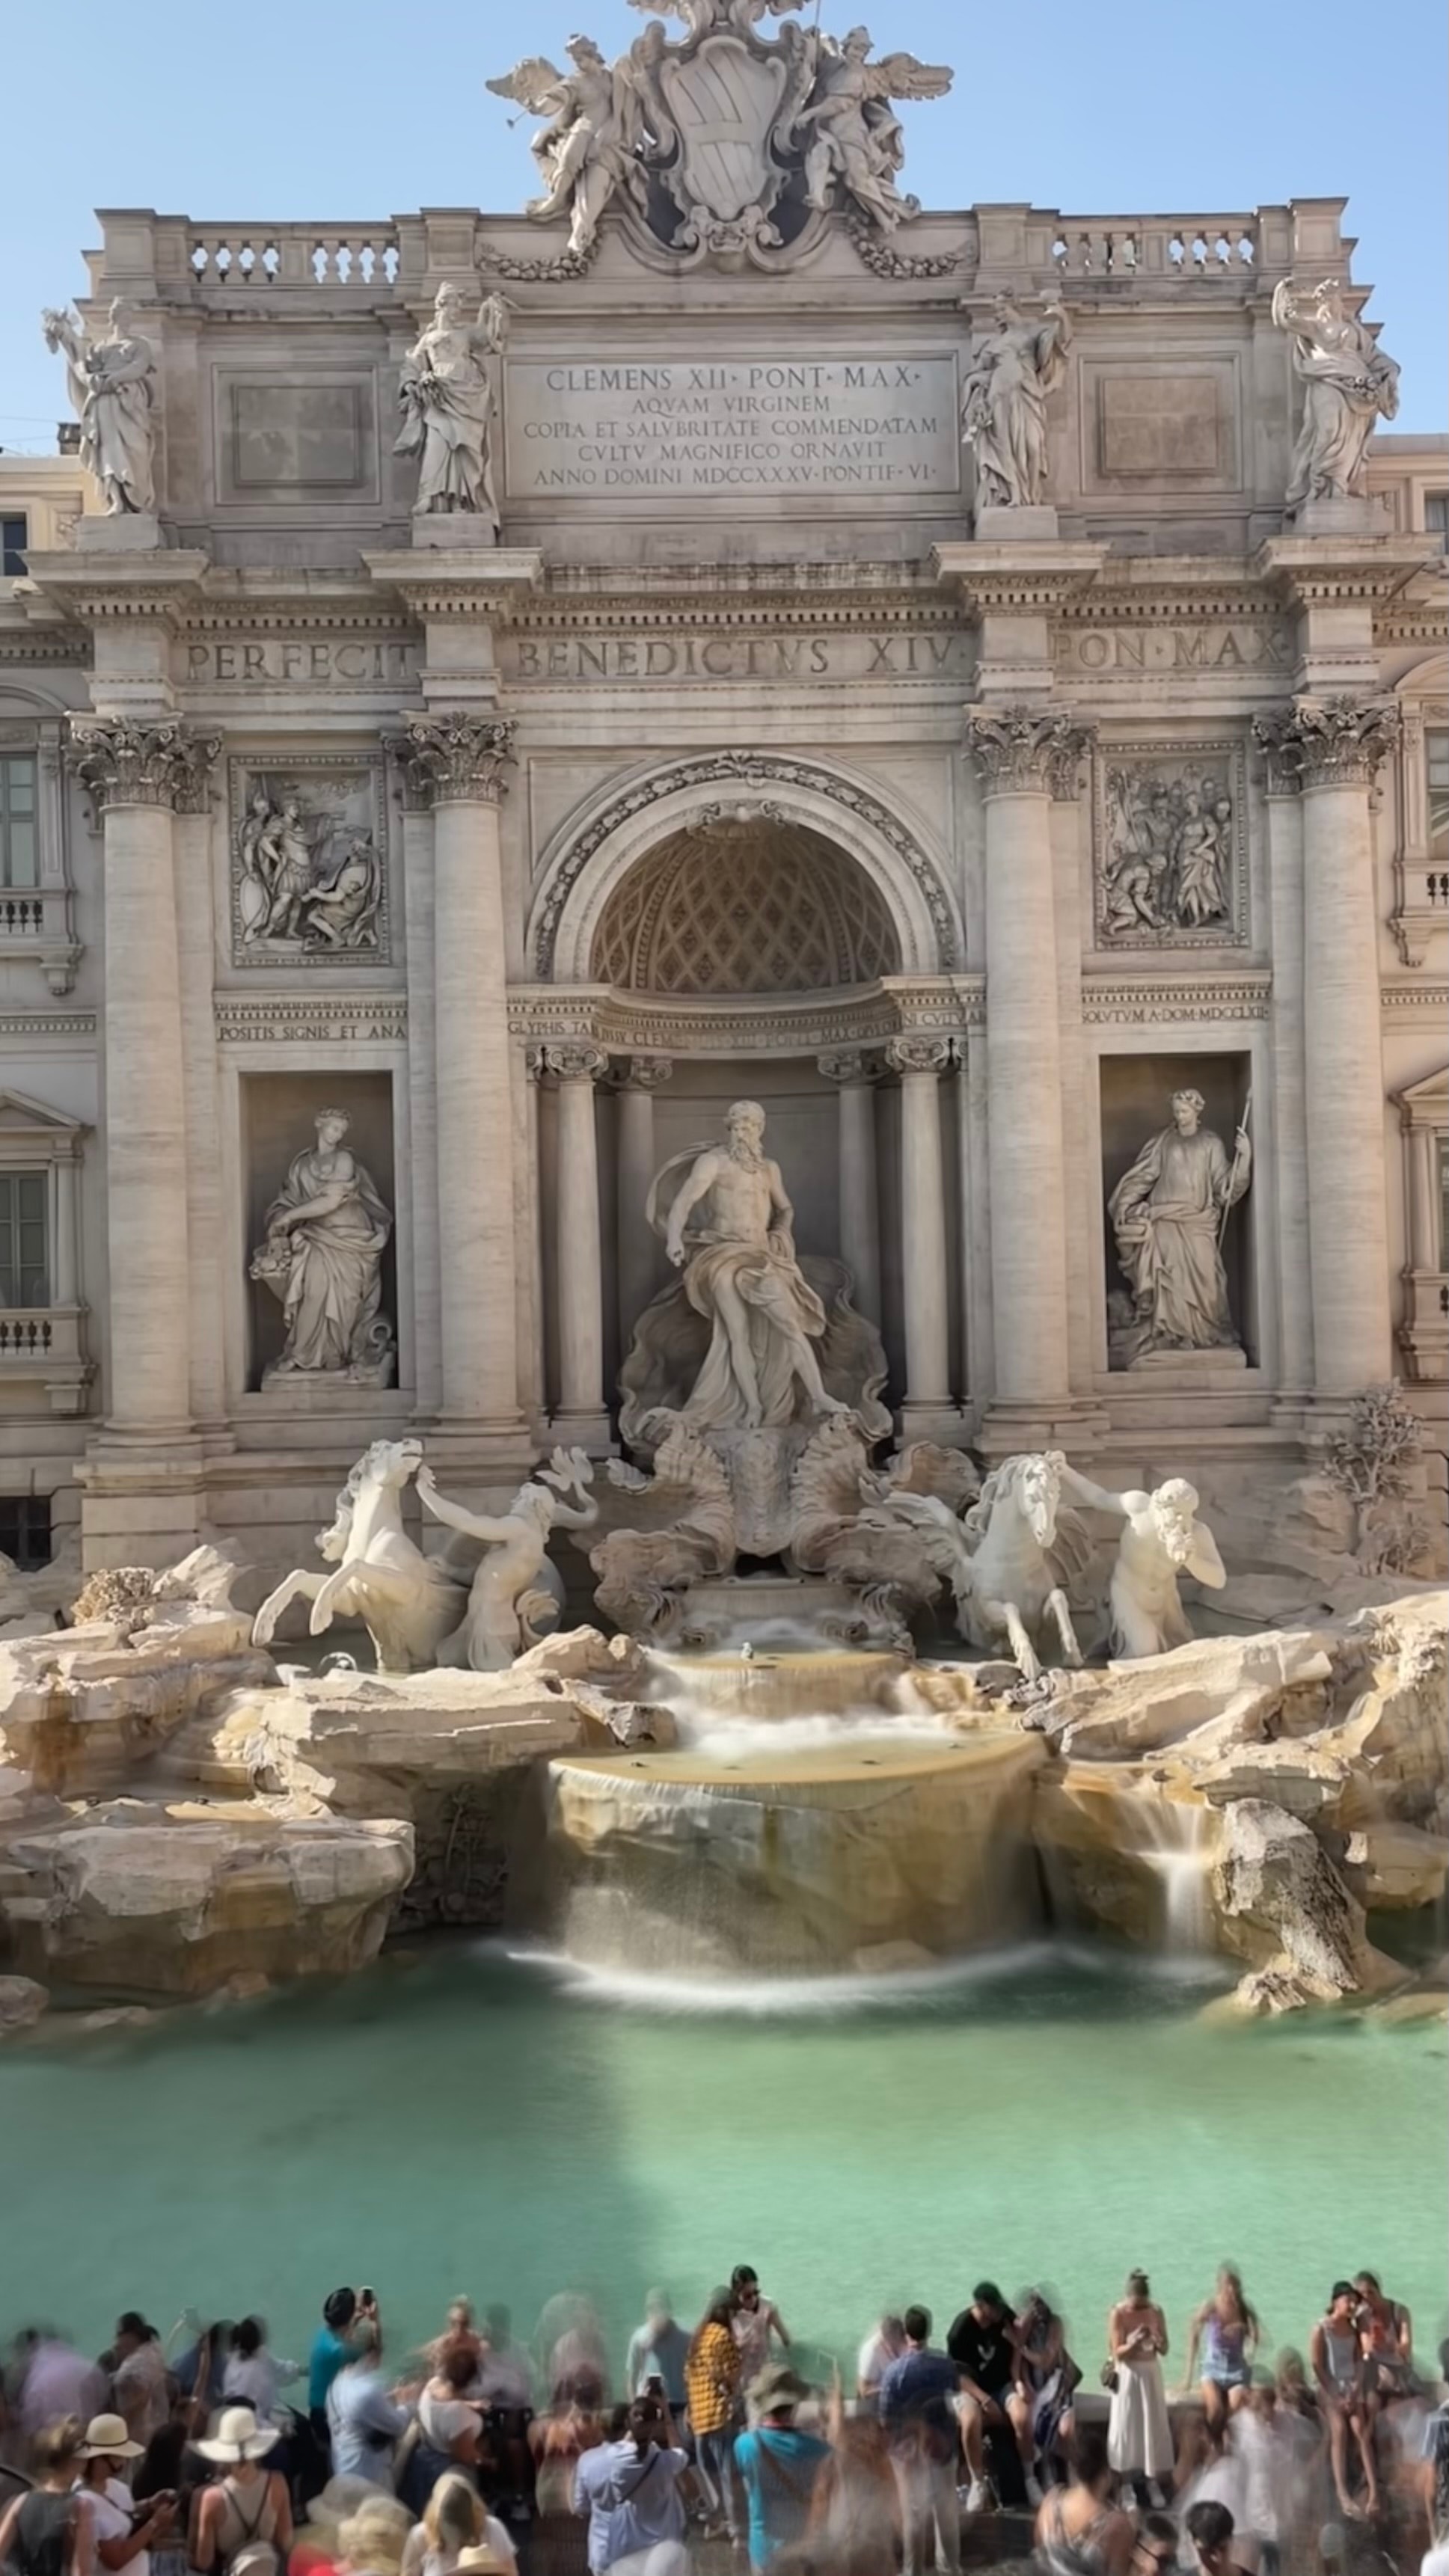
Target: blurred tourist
(122, 2532)
(1226, 2327)
(755, 2320)
(454, 2521)
(558, 2441)
(1139, 2434)
(46, 2532)
(1079, 2530)
(878, 2351)
(505, 2373)
(139, 2381)
(372, 2540)
(1434, 2452)
(1154, 2551)
(658, 2350)
(248, 2508)
(778, 2465)
(1337, 2361)
(630, 2491)
(364, 2421)
(459, 2334)
(253, 2373)
(712, 2379)
(56, 2382)
(1040, 2404)
(331, 2348)
(1386, 2341)
(1210, 2529)
(918, 2397)
(982, 2344)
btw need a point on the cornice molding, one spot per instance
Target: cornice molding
(1140, 1001)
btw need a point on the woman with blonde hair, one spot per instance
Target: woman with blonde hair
(47, 2531)
(455, 2519)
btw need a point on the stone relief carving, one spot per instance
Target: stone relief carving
(1168, 1214)
(1162, 1539)
(1013, 368)
(1349, 385)
(516, 1594)
(743, 1340)
(446, 396)
(112, 386)
(1170, 857)
(723, 143)
(308, 877)
(321, 1255)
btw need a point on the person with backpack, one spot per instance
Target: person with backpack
(46, 2532)
(630, 2492)
(246, 2509)
(777, 2464)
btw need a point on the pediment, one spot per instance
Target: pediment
(1426, 1102)
(22, 1116)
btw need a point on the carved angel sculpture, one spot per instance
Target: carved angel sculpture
(850, 135)
(717, 17)
(589, 145)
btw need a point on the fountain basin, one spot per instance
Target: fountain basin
(775, 1683)
(857, 1851)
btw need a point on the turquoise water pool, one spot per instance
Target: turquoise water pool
(460, 2120)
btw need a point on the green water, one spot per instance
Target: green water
(462, 2122)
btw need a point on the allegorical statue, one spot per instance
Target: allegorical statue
(447, 403)
(589, 145)
(322, 1256)
(1015, 365)
(112, 383)
(1162, 1539)
(851, 136)
(1168, 1214)
(1349, 386)
(516, 1594)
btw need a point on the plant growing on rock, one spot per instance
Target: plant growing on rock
(1372, 1462)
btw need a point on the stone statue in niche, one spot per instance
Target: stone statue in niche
(307, 875)
(590, 144)
(853, 142)
(743, 1341)
(516, 1595)
(448, 409)
(321, 1255)
(1162, 1538)
(1349, 386)
(112, 385)
(1169, 867)
(1169, 1212)
(1014, 366)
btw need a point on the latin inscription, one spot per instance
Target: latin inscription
(302, 661)
(716, 428)
(1101, 651)
(575, 658)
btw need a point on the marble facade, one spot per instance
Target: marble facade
(755, 750)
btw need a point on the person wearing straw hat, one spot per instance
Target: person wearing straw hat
(121, 2530)
(249, 2507)
(777, 2464)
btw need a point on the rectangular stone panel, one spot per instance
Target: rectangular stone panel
(1160, 425)
(308, 862)
(296, 437)
(693, 429)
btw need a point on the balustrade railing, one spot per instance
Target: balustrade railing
(258, 256)
(1193, 248)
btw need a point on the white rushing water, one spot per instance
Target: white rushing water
(1177, 1847)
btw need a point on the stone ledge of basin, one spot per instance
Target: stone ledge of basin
(80, 1709)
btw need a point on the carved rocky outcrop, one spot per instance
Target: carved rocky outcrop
(1282, 1905)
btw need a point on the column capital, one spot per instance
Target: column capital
(849, 1065)
(575, 1062)
(1025, 749)
(454, 759)
(1327, 742)
(644, 1072)
(127, 760)
(906, 1055)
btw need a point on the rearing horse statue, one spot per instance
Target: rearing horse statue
(1010, 1561)
(407, 1602)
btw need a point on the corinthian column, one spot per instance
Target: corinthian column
(854, 1074)
(137, 774)
(1333, 747)
(927, 1410)
(578, 1261)
(636, 1254)
(456, 763)
(1022, 754)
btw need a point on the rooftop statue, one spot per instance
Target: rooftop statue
(1015, 364)
(723, 140)
(112, 384)
(447, 404)
(1349, 386)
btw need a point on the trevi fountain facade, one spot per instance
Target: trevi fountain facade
(724, 972)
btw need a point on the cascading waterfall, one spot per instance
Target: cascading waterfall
(1177, 1847)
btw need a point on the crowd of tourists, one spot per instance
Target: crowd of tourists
(485, 2456)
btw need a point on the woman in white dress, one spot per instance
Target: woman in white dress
(1139, 2434)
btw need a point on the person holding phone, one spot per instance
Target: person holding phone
(1139, 2433)
(121, 2530)
(658, 2350)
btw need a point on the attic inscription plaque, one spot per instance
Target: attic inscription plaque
(713, 428)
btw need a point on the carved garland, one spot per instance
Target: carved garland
(879, 255)
(753, 769)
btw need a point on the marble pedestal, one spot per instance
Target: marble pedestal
(1365, 517)
(1002, 527)
(454, 531)
(123, 532)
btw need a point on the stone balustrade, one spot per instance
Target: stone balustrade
(258, 256)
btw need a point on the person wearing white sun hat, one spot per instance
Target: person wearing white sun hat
(121, 2531)
(247, 2509)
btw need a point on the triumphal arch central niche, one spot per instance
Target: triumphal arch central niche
(952, 701)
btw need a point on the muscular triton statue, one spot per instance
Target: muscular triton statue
(730, 1229)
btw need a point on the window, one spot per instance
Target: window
(1436, 780)
(23, 1264)
(1436, 518)
(19, 850)
(14, 538)
(25, 1530)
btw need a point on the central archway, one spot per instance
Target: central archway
(744, 907)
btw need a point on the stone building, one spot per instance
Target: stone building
(720, 724)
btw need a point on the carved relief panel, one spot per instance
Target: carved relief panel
(309, 862)
(1170, 845)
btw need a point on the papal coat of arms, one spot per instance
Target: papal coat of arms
(724, 142)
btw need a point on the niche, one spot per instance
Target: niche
(1136, 1099)
(278, 1111)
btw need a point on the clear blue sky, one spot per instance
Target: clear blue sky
(352, 108)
